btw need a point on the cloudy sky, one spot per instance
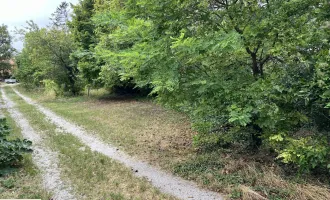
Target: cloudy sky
(14, 13)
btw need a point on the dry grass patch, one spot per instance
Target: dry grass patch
(249, 194)
(243, 178)
(308, 191)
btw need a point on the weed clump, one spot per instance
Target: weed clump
(11, 151)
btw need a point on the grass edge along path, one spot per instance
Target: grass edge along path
(167, 183)
(222, 170)
(93, 175)
(43, 157)
(24, 182)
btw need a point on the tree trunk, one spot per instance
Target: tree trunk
(255, 65)
(71, 80)
(256, 137)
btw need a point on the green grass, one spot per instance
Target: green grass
(93, 175)
(140, 128)
(23, 182)
(163, 138)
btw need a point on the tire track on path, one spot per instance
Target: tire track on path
(165, 182)
(45, 159)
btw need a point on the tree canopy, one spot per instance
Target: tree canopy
(45, 58)
(251, 72)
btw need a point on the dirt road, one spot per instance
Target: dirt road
(165, 182)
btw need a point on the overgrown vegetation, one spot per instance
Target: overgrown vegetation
(11, 151)
(162, 137)
(254, 73)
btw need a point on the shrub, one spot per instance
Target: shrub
(11, 151)
(307, 153)
(52, 88)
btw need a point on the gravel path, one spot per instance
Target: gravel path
(165, 182)
(45, 159)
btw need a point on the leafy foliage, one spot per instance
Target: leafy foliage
(82, 29)
(46, 55)
(6, 51)
(254, 72)
(250, 66)
(11, 151)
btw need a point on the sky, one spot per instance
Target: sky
(15, 13)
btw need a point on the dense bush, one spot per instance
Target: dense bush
(11, 151)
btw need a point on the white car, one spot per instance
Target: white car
(11, 80)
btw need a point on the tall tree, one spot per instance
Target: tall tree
(6, 50)
(61, 16)
(250, 71)
(49, 50)
(83, 32)
(258, 67)
(81, 24)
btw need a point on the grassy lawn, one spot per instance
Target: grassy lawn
(23, 182)
(92, 175)
(163, 138)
